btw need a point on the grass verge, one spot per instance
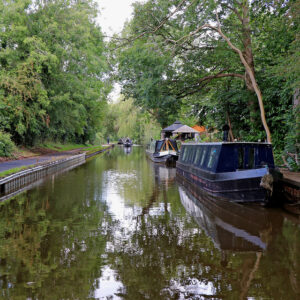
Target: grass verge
(14, 170)
(91, 150)
(62, 147)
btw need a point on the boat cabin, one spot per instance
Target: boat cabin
(227, 157)
(157, 146)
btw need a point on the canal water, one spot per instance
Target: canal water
(120, 227)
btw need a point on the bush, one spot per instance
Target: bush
(7, 146)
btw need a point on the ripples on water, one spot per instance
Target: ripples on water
(120, 227)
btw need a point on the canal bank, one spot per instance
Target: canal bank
(44, 167)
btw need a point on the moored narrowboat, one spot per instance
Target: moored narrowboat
(127, 142)
(163, 151)
(236, 171)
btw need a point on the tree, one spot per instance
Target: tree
(199, 42)
(52, 70)
(124, 119)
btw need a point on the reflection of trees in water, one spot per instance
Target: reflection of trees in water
(163, 250)
(167, 251)
(168, 255)
(280, 266)
(52, 242)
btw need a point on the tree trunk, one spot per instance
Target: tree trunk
(248, 54)
(231, 137)
(248, 68)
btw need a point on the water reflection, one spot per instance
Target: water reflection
(119, 227)
(127, 150)
(231, 226)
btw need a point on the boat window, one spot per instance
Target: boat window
(185, 154)
(182, 153)
(158, 145)
(198, 155)
(250, 163)
(212, 157)
(191, 154)
(203, 156)
(241, 158)
(174, 145)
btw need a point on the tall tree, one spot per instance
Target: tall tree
(199, 42)
(52, 69)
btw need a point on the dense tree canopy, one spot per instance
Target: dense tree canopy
(211, 61)
(52, 67)
(217, 58)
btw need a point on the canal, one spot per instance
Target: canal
(119, 227)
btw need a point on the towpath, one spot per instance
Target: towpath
(11, 164)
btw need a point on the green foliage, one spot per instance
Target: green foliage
(124, 119)
(171, 70)
(142, 69)
(7, 146)
(14, 170)
(52, 68)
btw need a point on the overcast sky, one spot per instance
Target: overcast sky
(113, 14)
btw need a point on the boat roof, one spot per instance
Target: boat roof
(185, 129)
(227, 143)
(173, 127)
(164, 140)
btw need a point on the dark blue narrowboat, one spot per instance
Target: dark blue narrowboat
(237, 171)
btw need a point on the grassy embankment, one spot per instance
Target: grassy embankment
(48, 148)
(14, 170)
(89, 149)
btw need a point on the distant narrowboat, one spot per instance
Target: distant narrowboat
(237, 171)
(163, 151)
(127, 142)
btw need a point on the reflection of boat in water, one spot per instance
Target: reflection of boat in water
(127, 150)
(237, 171)
(163, 174)
(231, 226)
(163, 151)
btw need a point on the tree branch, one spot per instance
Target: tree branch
(203, 82)
(252, 77)
(164, 20)
(235, 11)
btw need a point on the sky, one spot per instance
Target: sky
(113, 14)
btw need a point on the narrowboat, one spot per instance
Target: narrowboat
(163, 151)
(127, 142)
(236, 171)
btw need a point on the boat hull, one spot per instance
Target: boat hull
(167, 159)
(243, 186)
